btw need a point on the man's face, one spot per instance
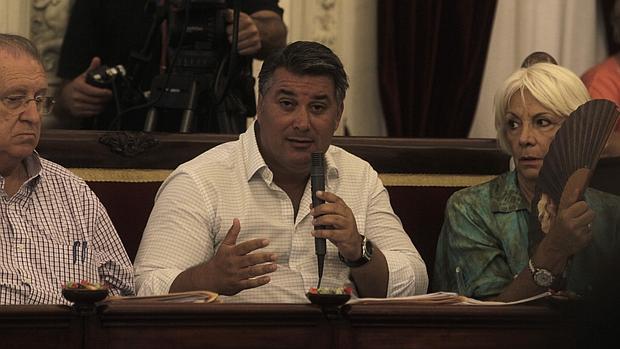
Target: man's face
(20, 77)
(297, 116)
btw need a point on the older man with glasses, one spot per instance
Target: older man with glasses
(53, 229)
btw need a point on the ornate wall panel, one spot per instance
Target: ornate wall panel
(47, 29)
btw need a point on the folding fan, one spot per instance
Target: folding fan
(571, 159)
(577, 147)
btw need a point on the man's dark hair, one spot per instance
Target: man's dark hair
(17, 45)
(305, 58)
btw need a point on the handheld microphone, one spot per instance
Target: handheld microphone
(317, 182)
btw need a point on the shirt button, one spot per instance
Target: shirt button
(21, 247)
(27, 280)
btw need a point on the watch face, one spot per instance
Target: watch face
(367, 250)
(543, 278)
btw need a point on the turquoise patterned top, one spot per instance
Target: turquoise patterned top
(483, 243)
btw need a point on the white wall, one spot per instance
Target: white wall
(15, 17)
(569, 30)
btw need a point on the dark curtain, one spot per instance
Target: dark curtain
(606, 8)
(431, 60)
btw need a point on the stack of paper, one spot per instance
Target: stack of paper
(179, 297)
(441, 298)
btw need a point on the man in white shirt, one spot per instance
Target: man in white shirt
(237, 220)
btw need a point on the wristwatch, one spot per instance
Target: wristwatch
(365, 258)
(542, 277)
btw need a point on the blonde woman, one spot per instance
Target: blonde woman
(483, 247)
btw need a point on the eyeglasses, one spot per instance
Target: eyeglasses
(17, 103)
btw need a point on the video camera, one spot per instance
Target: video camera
(197, 76)
(104, 76)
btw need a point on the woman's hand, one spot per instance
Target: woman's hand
(571, 229)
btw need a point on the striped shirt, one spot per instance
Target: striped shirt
(54, 230)
(196, 205)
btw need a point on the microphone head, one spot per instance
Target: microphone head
(317, 164)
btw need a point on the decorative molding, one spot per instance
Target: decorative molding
(325, 23)
(129, 143)
(48, 23)
(47, 29)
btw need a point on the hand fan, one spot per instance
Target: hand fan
(571, 160)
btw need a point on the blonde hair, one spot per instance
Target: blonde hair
(555, 87)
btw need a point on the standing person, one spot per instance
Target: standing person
(237, 219)
(53, 229)
(483, 246)
(603, 80)
(107, 31)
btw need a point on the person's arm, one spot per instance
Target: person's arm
(396, 268)
(260, 33)
(407, 274)
(272, 32)
(116, 270)
(371, 279)
(77, 98)
(178, 248)
(570, 233)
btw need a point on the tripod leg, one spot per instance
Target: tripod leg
(186, 121)
(188, 114)
(151, 120)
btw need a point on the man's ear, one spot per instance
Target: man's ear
(338, 116)
(259, 106)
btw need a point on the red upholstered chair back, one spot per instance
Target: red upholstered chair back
(129, 206)
(421, 210)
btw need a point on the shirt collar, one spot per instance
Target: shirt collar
(34, 170)
(252, 157)
(505, 194)
(33, 165)
(255, 163)
(331, 173)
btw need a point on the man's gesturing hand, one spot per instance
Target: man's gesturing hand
(234, 269)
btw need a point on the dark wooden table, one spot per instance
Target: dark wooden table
(157, 325)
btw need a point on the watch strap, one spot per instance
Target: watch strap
(364, 258)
